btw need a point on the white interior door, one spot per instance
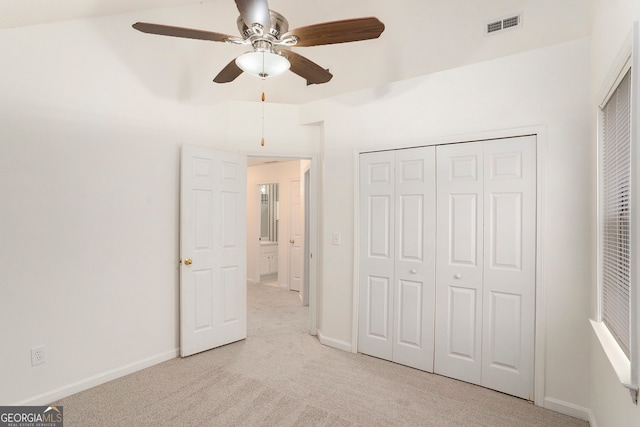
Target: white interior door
(296, 240)
(213, 288)
(459, 277)
(397, 219)
(509, 266)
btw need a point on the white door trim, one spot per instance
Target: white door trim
(296, 240)
(541, 134)
(307, 251)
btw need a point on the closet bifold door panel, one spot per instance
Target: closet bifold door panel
(414, 293)
(459, 261)
(509, 266)
(485, 280)
(377, 254)
(397, 231)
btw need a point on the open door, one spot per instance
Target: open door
(213, 285)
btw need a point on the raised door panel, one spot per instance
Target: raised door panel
(414, 265)
(505, 325)
(463, 230)
(376, 265)
(459, 262)
(377, 308)
(230, 295)
(409, 314)
(202, 301)
(509, 267)
(462, 324)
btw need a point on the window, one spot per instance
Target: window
(616, 324)
(615, 158)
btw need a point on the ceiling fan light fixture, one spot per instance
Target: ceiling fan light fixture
(263, 64)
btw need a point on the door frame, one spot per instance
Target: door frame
(290, 248)
(540, 132)
(312, 236)
(307, 251)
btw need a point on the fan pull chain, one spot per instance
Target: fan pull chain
(263, 98)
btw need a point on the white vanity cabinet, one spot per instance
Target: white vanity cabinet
(268, 258)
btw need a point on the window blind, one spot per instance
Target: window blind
(615, 199)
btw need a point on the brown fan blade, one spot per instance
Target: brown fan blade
(255, 11)
(189, 33)
(349, 30)
(307, 69)
(228, 73)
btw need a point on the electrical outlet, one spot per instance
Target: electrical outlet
(38, 356)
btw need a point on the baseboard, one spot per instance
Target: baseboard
(567, 408)
(85, 384)
(330, 342)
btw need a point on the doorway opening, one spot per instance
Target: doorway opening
(281, 197)
(214, 236)
(269, 208)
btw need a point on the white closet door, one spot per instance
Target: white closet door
(509, 265)
(414, 291)
(397, 228)
(459, 261)
(485, 281)
(377, 237)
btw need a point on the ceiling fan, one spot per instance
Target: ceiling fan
(267, 32)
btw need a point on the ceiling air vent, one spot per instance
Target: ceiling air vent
(510, 22)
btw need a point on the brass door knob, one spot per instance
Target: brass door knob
(187, 261)
(292, 241)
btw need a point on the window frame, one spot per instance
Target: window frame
(626, 368)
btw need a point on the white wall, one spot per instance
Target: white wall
(610, 402)
(426, 36)
(547, 88)
(89, 174)
(276, 173)
(89, 249)
(92, 115)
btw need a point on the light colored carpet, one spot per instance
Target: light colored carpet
(281, 376)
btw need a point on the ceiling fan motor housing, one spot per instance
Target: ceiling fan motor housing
(279, 26)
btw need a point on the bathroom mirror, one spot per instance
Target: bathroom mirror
(269, 212)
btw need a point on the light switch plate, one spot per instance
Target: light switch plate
(336, 238)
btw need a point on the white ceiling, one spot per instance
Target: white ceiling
(421, 37)
(22, 13)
